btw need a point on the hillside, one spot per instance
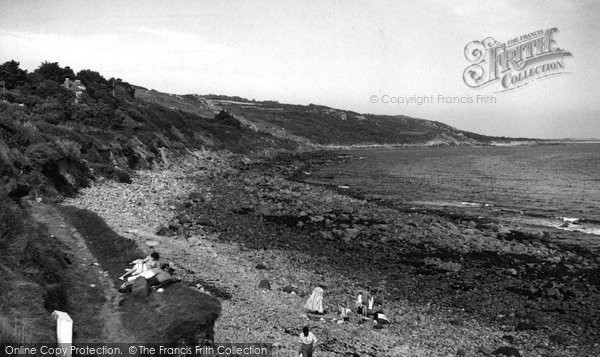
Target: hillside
(54, 140)
(320, 125)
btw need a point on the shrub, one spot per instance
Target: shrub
(42, 154)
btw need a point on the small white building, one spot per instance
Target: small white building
(74, 86)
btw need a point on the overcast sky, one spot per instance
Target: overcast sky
(334, 53)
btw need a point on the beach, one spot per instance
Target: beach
(449, 284)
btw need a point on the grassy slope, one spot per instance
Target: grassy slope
(319, 124)
(30, 284)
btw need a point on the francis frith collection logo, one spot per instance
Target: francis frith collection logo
(516, 62)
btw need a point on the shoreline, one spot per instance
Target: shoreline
(583, 229)
(445, 286)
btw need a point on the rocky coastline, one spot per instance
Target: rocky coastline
(451, 285)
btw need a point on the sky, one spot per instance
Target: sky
(365, 56)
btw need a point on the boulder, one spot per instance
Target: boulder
(180, 314)
(264, 284)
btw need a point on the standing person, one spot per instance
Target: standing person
(361, 308)
(307, 342)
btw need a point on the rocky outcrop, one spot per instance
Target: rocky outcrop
(179, 314)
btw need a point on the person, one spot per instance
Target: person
(361, 309)
(344, 312)
(371, 303)
(162, 277)
(315, 301)
(141, 265)
(379, 317)
(157, 278)
(307, 342)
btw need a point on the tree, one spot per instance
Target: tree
(88, 76)
(12, 75)
(52, 71)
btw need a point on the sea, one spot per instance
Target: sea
(540, 185)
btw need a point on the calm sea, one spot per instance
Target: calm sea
(551, 185)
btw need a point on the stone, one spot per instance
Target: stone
(264, 284)
(261, 266)
(457, 322)
(553, 292)
(507, 351)
(509, 338)
(164, 231)
(485, 351)
(559, 338)
(290, 290)
(522, 326)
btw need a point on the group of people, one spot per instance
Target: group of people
(156, 275)
(364, 304)
(365, 309)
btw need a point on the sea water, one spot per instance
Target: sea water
(552, 185)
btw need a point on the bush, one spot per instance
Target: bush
(43, 154)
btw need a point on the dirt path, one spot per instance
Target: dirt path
(92, 296)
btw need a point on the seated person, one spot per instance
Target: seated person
(379, 317)
(155, 277)
(162, 277)
(344, 312)
(141, 265)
